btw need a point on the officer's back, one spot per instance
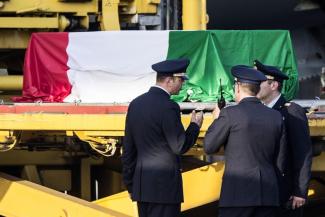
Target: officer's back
(154, 140)
(253, 136)
(250, 153)
(149, 137)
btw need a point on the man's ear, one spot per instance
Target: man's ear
(275, 85)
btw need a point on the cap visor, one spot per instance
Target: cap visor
(185, 77)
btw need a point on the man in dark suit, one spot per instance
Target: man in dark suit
(254, 137)
(294, 185)
(154, 140)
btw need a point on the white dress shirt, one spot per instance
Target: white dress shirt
(272, 103)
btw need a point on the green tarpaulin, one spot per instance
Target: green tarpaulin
(214, 52)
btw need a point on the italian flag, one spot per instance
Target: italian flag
(115, 66)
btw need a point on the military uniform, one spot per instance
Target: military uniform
(154, 140)
(254, 140)
(299, 155)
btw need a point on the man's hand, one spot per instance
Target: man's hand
(297, 201)
(216, 112)
(197, 118)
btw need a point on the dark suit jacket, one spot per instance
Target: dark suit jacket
(299, 155)
(154, 140)
(254, 140)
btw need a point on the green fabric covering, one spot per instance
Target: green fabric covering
(214, 52)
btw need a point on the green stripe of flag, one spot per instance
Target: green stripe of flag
(214, 52)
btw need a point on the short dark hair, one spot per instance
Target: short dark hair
(251, 89)
(161, 77)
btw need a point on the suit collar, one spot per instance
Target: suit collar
(162, 89)
(159, 91)
(250, 99)
(280, 103)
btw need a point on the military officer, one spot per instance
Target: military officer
(253, 136)
(294, 185)
(154, 141)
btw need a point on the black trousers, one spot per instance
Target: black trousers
(283, 212)
(253, 211)
(158, 210)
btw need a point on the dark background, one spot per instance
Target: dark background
(262, 14)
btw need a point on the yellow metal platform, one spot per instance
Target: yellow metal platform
(20, 198)
(201, 186)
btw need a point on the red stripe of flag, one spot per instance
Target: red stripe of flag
(45, 68)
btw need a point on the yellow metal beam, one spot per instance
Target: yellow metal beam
(318, 164)
(194, 14)
(119, 202)
(29, 22)
(12, 38)
(147, 6)
(110, 15)
(317, 127)
(80, 122)
(101, 124)
(23, 6)
(107, 124)
(11, 82)
(21, 198)
(201, 186)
